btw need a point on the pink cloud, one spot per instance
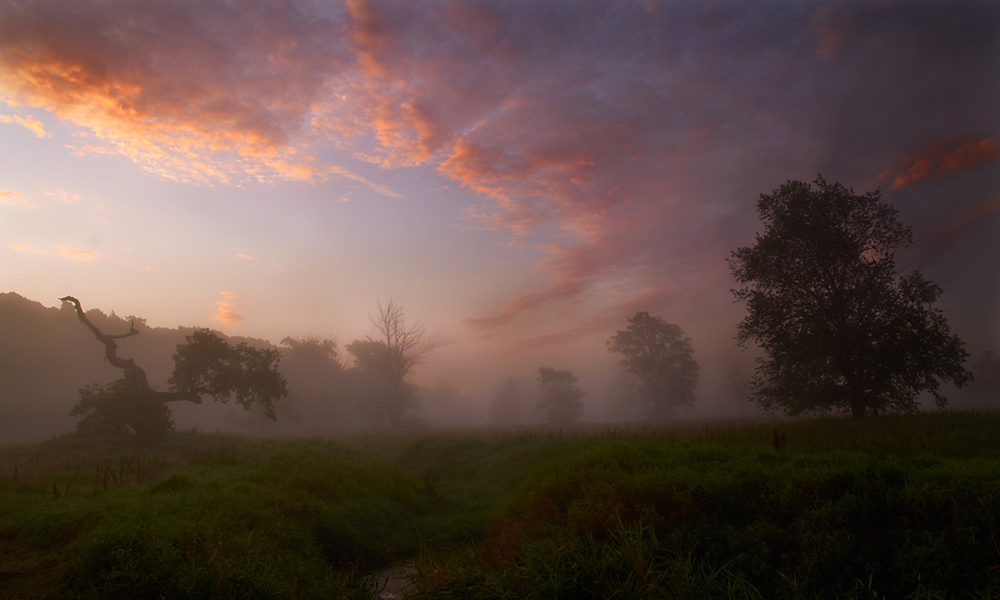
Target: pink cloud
(624, 143)
(941, 158)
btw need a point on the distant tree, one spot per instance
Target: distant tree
(659, 357)
(561, 397)
(368, 381)
(205, 365)
(841, 328)
(317, 384)
(402, 348)
(505, 407)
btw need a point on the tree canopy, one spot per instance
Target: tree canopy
(841, 327)
(659, 358)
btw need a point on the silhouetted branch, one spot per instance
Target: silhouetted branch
(135, 376)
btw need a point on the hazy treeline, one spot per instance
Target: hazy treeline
(46, 356)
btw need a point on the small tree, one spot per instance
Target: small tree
(561, 397)
(204, 365)
(840, 327)
(659, 357)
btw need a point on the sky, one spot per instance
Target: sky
(520, 176)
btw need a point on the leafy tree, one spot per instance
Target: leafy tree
(659, 357)
(841, 327)
(205, 365)
(561, 397)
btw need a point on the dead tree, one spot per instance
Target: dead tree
(404, 348)
(205, 365)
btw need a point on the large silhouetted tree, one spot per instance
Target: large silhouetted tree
(841, 327)
(561, 397)
(659, 357)
(205, 365)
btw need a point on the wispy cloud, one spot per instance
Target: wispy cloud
(74, 254)
(89, 149)
(28, 122)
(15, 199)
(941, 158)
(21, 248)
(245, 257)
(225, 312)
(64, 196)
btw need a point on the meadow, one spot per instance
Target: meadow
(886, 507)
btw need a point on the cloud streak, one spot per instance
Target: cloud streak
(941, 158)
(225, 312)
(75, 255)
(29, 122)
(15, 199)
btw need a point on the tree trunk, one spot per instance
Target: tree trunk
(135, 376)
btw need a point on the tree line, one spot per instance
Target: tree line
(842, 329)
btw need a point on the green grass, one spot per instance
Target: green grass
(896, 507)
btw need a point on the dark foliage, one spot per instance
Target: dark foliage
(659, 357)
(204, 365)
(841, 328)
(208, 365)
(118, 410)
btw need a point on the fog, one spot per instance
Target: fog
(47, 355)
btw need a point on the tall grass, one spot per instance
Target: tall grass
(889, 507)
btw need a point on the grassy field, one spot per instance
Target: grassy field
(890, 507)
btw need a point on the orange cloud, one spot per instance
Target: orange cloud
(941, 158)
(201, 92)
(15, 198)
(225, 313)
(245, 257)
(29, 122)
(76, 254)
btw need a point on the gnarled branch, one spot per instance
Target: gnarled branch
(135, 376)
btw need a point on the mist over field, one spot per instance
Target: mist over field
(47, 356)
